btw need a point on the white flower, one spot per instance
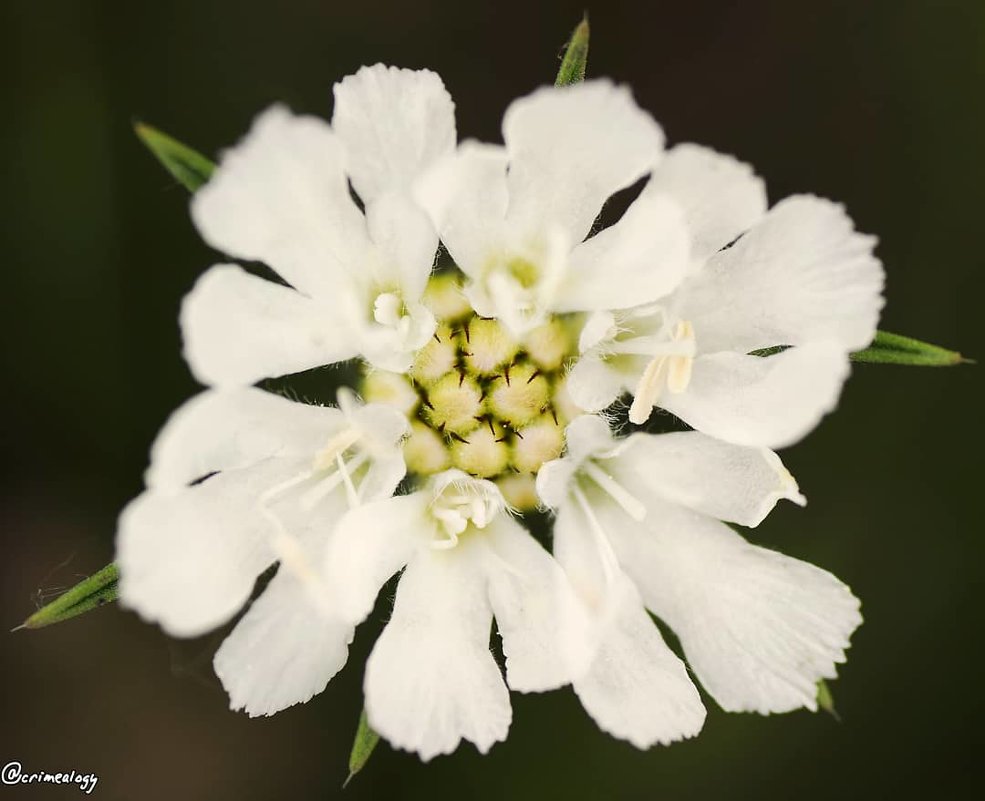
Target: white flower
(470, 397)
(514, 217)
(799, 276)
(271, 477)
(282, 197)
(758, 629)
(431, 680)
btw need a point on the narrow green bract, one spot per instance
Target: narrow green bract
(188, 166)
(825, 700)
(575, 57)
(98, 590)
(362, 747)
(889, 348)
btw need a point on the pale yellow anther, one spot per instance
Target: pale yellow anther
(488, 346)
(536, 443)
(437, 358)
(425, 450)
(548, 345)
(392, 389)
(454, 404)
(519, 490)
(482, 454)
(519, 394)
(444, 297)
(337, 445)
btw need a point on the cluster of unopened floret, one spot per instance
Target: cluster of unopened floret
(480, 399)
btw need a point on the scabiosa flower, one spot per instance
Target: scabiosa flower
(797, 276)
(639, 524)
(471, 410)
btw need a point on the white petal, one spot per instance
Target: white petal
(758, 628)
(282, 652)
(465, 195)
(188, 560)
(234, 428)
(802, 275)
(537, 614)
(394, 123)
(570, 149)
(641, 258)
(406, 241)
(431, 680)
(370, 544)
(281, 197)
(637, 689)
(725, 481)
(595, 383)
(239, 329)
(770, 402)
(720, 195)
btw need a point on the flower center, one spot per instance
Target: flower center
(479, 398)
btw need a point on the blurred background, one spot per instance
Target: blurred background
(876, 104)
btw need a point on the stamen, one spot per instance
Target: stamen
(630, 504)
(607, 557)
(336, 446)
(647, 391)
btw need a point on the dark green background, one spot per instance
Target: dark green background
(877, 104)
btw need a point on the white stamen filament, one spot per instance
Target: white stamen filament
(286, 547)
(607, 557)
(336, 446)
(630, 504)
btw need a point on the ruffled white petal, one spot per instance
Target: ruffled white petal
(721, 196)
(371, 543)
(758, 628)
(431, 680)
(537, 614)
(393, 123)
(406, 243)
(238, 329)
(801, 275)
(637, 689)
(466, 197)
(770, 402)
(722, 480)
(234, 428)
(570, 149)
(188, 560)
(641, 258)
(281, 197)
(283, 651)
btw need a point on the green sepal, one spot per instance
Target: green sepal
(188, 166)
(575, 57)
(362, 747)
(98, 590)
(889, 348)
(825, 700)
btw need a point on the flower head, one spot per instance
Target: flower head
(475, 417)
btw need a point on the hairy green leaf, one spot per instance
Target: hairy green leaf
(91, 593)
(188, 166)
(362, 747)
(575, 57)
